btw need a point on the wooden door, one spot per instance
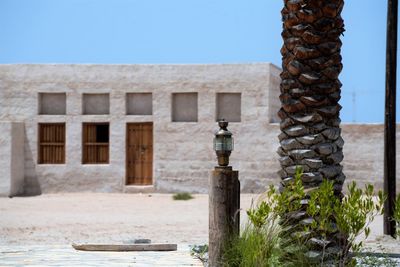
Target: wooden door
(139, 153)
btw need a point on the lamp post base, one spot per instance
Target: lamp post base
(224, 206)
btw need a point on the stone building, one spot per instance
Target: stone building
(132, 128)
(149, 128)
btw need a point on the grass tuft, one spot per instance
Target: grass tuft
(264, 246)
(182, 196)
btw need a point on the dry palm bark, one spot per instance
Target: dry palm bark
(310, 90)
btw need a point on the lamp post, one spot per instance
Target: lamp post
(224, 197)
(223, 143)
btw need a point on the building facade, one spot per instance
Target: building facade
(149, 128)
(133, 128)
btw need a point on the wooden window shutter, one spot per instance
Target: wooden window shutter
(51, 143)
(95, 139)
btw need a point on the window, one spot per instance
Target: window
(95, 143)
(229, 107)
(184, 107)
(52, 103)
(139, 104)
(94, 104)
(51, 143)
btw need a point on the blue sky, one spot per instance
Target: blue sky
(190, 31)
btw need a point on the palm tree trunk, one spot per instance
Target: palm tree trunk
(310, 90)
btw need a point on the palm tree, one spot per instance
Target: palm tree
(310, 135)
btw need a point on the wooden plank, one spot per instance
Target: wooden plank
(132, 247)
(101, 153)
(62, 148)
(148, 160)
(224, 206)
(63, 142)
(53, 151)
(84, 138)
(130, 157)
(96, 144)
(51, 144)
(46, 133)
(127, 159)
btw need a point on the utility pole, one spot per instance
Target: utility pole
(353, 98)
(390, 119)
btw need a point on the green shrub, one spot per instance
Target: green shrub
(321, 205)
(182, 196)
(396, 216)
(351, 215)
(355, 213)
(264, 243)
(267, 238)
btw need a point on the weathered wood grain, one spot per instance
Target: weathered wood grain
(132, 247)
(224, 206)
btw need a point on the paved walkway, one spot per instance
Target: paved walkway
(30, 255)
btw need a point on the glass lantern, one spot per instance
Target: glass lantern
(223, 143)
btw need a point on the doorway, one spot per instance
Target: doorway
(139, 153)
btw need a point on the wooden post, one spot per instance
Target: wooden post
(224, 205)
(390, 118)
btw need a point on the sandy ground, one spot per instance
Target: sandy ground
(109, 218)
(115, 218)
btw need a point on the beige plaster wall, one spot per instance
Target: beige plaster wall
(363, 153)
(11, 158)
(183, 154)
(274, 103)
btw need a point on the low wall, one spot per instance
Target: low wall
(363, 157)
(363, 154)
(257, 161)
